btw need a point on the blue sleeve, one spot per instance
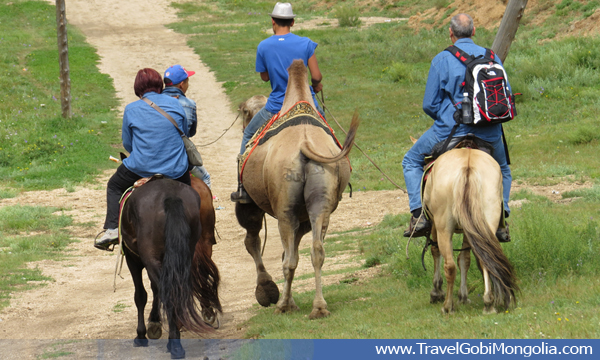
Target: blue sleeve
(312, 46)
(432, 100)
(261, 66)
(126, 132)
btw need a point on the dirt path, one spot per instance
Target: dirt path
(80, 303)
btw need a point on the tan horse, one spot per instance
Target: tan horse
(297, 176)
(464, 194)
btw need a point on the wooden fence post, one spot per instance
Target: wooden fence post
(63, 58)
(508, 27)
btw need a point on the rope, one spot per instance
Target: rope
(322, 100)
(265, 242)
(224, 132)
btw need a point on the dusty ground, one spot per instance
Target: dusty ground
(79, 304)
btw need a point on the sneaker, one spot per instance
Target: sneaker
(110, 237)
(421, 227)
(503, 234)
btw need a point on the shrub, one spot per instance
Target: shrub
(347, 16)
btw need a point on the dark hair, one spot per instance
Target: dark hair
(147, 80)
(283, 22)
(462, 26)
(169, 82)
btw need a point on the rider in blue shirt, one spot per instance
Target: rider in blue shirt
(274, 56)
(153, 143)
(177, 82)
(446, 76)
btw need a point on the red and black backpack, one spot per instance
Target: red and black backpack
(486, 83)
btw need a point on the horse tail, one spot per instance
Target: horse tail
(176, 290)
(468, 211)
(205, 280)
(309, 152)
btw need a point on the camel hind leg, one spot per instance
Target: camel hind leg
(250, 218)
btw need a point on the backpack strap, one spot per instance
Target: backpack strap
(462, 56)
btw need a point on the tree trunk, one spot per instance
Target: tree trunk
(508, 27)
(63, 58)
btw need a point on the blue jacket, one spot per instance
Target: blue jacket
(154, 145)
(446, 75)
(189, 106)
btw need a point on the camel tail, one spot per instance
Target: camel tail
(311, 153)
(486, 247)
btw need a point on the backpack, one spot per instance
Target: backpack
(486, 86)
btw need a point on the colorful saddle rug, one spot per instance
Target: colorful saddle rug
(300, 114)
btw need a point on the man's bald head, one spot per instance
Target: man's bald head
(462, 26)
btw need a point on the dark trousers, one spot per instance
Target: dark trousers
(122, 180)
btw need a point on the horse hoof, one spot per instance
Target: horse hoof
(489, 310)
(140, 342)
(318, 314)
(464, 300)
(154, 330)
(210, 318)
(175, 348)
(436, 298)
(287, 309)
(267, 293)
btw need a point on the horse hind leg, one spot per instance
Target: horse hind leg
(464, 262)
(437, 294)
(154, 321)
(488, 296)
(445, 245)
(141, 298)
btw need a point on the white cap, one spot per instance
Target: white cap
(282, 11)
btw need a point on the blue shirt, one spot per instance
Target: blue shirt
(446, 75)
(189, 106)
(275, 55)
(154, 145)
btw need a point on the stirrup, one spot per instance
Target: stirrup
(105, 244)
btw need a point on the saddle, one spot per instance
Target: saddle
(301, 113)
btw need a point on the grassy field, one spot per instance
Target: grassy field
(382, 70)
(38, 148)
(29, 234)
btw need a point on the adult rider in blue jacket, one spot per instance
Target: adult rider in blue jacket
(153, 143)
(446, 76)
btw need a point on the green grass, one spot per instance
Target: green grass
(382, 71)
(28, 234)
(554, 252)
(38, 148)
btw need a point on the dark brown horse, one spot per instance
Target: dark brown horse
(161, 228)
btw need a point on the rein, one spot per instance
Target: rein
(224, 132)
(322, 100)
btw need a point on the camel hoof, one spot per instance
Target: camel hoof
(286, 309)
(154, 330)
(267, 293)
(436, 298)
(318, 314)
(140, 342)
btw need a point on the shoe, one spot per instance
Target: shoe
(110, 237)
(421, 227)
(241, 195)
(503, 234)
